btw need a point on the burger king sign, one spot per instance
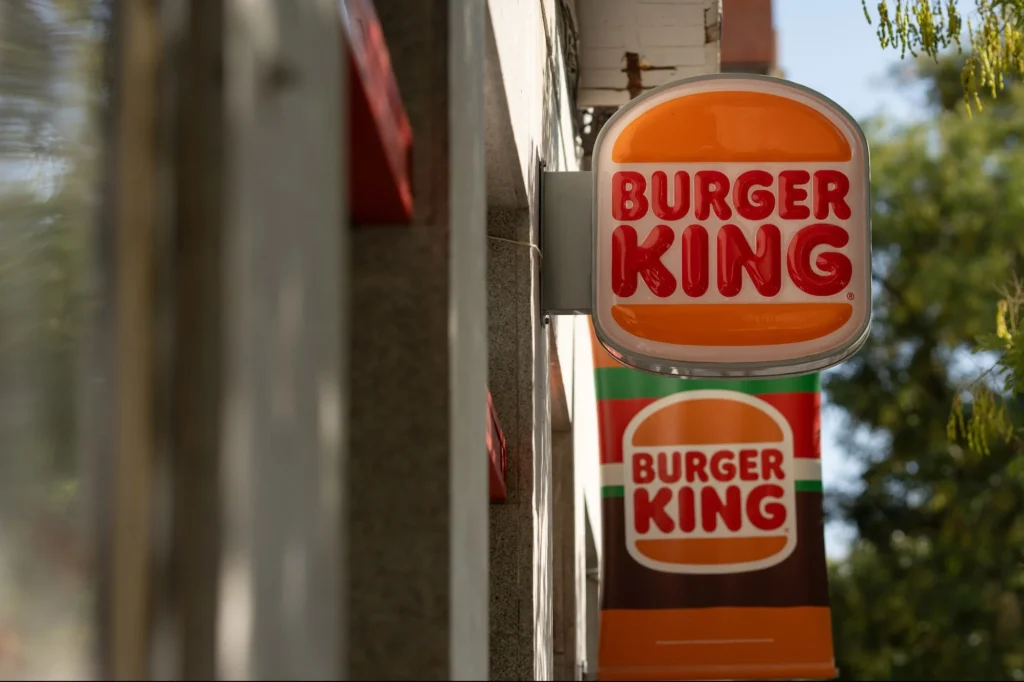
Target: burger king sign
(711, 484)
(732, 230)
(713, 564)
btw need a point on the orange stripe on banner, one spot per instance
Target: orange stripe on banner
(602, 358)
(717, 643)
(711, 551)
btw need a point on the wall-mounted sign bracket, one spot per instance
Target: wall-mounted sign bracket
(567, 226)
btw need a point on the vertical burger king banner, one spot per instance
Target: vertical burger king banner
(731, 245)
(713, 546)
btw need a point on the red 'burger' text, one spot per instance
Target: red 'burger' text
(753, 196)
(681, 491)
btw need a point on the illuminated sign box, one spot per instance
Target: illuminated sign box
(731, 229)
(728, 228)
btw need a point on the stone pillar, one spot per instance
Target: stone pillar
(521, 562)
(418, 471)
(284, 323)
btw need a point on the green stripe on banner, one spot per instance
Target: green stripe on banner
(801, 487)
(615, 383)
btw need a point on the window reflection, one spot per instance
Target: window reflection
(50, 68)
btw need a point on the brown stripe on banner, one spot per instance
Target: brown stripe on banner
(800, 580)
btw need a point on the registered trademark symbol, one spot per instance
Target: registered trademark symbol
(849, 296)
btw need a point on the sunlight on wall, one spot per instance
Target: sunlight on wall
(588, 456)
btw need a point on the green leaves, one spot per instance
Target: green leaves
(931, 588)
(988, 420)
(928, 27)
(47, 198)
(914, 25)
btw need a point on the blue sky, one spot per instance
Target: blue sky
(828, 46)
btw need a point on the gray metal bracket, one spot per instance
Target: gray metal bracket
(566, 213)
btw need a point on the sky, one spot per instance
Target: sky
(827, 45)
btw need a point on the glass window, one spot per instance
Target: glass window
(51, 64)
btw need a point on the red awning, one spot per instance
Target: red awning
(380, 137)
(496, 453)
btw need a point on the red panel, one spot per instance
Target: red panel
(380, 137)
(496, 453)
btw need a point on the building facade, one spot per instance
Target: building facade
(332, 431)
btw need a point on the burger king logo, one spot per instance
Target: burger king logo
(709, 483)
(732, 229)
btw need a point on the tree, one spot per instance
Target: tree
(996, 58)
(929, 27)
(46, 201)
(933, 587)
